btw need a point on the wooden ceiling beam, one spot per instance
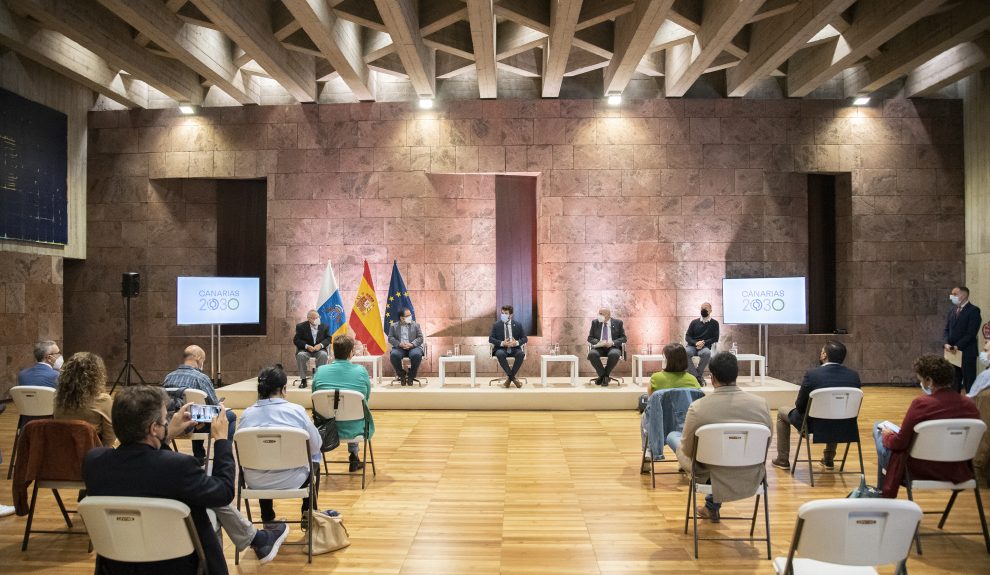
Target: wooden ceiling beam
(634, 32)
(774, 40)
(439, 14)
(482, 18)
(402, 23)
(512, 38)
(248, 23)
(948, 68)
(595, 12)
(564, 16)
(207, 52)
(530, 13)
(338, 41)
(686, 62)
(874, 23)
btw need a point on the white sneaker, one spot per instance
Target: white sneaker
(6, 510)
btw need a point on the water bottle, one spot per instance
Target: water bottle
(457, 349)
(735, 349)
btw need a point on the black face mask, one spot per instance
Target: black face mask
(704, 313)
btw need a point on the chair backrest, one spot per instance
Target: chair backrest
(33, 400)
(350, 405)
(732, 444)
(57, 449)
(947, 439)
(139, 529)
(196, 396)
(272, 448)
(835, 403)
(861, 532)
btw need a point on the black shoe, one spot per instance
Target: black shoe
(355, 463)
(507, 384)
(781, 463)
(302, 383)
(827, 464)
(269, 540)
(604, 382)
(200, 460)
(517, 382)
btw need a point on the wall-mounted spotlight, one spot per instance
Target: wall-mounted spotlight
(614, 100)
(187, 109)
(426, 103)
(861, 101)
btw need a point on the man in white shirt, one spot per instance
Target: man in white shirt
(607, 336)
(312, 340)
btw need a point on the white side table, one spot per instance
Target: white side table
(572, 359)
(375, 361)
(753, 359)
(640, 358)
(445, 359)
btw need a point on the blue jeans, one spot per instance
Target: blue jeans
(674, 439)
(883, 454)
(198, 447)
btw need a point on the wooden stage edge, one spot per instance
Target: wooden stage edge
(457, 394)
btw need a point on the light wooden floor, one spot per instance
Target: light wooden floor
(525, 492)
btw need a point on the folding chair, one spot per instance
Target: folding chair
(651, 461)
(947, 440)
(618, 380)
(491, 352)
(31, 401)
(831, 403)
(406, 363)
(346, 405)
(273, 449)
(850, 536)
(140, 530)
(60, 466)
(198, 397)
(729, 445)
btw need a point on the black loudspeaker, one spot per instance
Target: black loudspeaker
(130, 284)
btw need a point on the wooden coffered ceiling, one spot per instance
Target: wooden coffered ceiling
(159, 53)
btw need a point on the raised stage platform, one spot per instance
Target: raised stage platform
(457, 394)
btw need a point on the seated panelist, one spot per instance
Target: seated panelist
(701, 335)
(606, 338)
(312, 340)
(406, 339)
(507, 339)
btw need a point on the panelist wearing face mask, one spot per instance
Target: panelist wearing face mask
(45, 372)
(606, 338)
(962, 324)
(406, 339)
(507, 339)
(312, 340)
(938, 401)
(701, 336)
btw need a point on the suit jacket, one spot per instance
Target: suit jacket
(415, 332)
(40, 374)
(830, 375)
(304, 336)
(615, 329)
(962, 331)
(727, 404)
(139, 470)
(498, 334)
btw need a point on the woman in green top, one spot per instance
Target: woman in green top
(675, 372)
(342, 374)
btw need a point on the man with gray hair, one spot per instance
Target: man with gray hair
(190, 375)
(44, 373)
(312, 340)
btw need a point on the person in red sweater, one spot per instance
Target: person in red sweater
(940, 401)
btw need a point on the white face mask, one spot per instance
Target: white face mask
(927, 390)
(407, 319)
(600, 318)
(315, 322)
(505, 317)
(954, 299)
(984, 359)
(59, 362)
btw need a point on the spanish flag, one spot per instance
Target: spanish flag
(366, 319)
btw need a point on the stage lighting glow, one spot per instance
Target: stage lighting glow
(861, 101)
(187, 109)
(425, 103)
(614, 100)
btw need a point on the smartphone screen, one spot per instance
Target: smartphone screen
(203, 413)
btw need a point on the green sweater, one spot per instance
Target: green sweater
(342, 374)
(671, 380)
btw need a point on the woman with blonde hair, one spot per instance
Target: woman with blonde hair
(82, 394)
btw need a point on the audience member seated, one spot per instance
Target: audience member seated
(143, 466)
(190, 375)
(81, 394)
(342, 374)
(980, 393)
(940, 400)
(5, 510)
(831, 373)
(727, 404)
(664, 412)
(273, 410)
(675, 371)
(44, 373)
(406, 339)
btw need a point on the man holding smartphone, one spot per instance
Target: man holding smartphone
(190, 375)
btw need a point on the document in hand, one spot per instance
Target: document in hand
(890, 425)
(953, 357)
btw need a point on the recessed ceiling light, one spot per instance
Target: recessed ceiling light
(187, 109)
(861, 101)
(614, 100)
(425, 103)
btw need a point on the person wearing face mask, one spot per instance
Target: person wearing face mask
(962, 326)
(830, 373)
(312, 340)
(406, 339)
(190, 375)
(606, 338)
(342, 374)
(701, 335)
(938, 401)
(980, 394)
(45, 372)
(507, 339)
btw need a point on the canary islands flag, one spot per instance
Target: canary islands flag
(398, 298)
(329, 305)
(365, 317)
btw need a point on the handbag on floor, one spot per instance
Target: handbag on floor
(329, 533)
(864, 491)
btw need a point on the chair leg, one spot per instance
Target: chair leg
(30, 519)
(694, 513)
(364, 466)
(61, 507)
(766, 514)
(756, 511)
(862, 469)
(687, 510)
(797, 454)
(209, 448)
(371, 452)
(948, 509)
(983, 518)
(845, 454)
(312, 525)
(917, 532)
(811, 469)
(13, 454)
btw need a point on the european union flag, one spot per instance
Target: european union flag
(398, 298)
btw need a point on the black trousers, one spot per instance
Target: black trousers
(503, 353)
(612, 359)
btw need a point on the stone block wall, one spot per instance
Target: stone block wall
(30, 309)
(643, 208)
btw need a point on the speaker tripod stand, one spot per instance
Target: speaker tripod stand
(125, 372)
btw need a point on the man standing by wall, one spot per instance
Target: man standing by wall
(962, 324)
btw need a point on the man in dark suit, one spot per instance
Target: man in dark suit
(507, 339)
(831, 373)
(606, 338)
(44, 372)
(312, 340)
(406, 338)
(962, 324)
(144, 467)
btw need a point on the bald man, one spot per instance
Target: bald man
(190, 375)
(701, 336)
(606, 338)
